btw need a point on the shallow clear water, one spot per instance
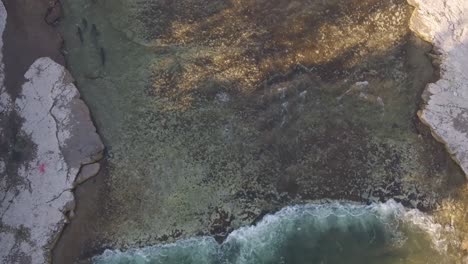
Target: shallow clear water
(314, 233)
(212, 114)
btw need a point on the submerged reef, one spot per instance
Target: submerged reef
(215, 113)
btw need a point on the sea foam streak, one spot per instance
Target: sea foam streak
(312, 233)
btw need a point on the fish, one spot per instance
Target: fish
(84, 22)
(94, 31)
(79, 33)
(102, 54)
(94, 35)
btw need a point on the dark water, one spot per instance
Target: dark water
(315, 233)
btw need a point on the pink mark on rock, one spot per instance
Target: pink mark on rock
(42, 168)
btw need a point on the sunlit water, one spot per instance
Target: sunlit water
(313, 233)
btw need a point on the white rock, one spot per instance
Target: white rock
(51, 110)
(445, 24)
(4, 98)
(32, 201)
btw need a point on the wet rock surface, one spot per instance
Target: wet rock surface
(87, 171)
(217, 113)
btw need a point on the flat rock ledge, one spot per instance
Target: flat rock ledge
(445, 24)
(36, 196)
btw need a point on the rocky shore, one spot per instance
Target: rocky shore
(445, 23)
(48, 143)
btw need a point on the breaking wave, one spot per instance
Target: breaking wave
(313, 233)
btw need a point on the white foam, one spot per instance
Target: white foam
(328, 216)
(205, 247)
(274, 231)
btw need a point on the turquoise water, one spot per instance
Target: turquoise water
(314, 233)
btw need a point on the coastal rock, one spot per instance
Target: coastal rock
(61, 137)
(87, 172)
(445, 111)
(4, 98)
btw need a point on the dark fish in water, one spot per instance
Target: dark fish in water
(79, 33)
(94, 31)
(84, 22)
(102, 54)
(94, 35)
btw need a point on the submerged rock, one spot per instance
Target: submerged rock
(87, 172)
